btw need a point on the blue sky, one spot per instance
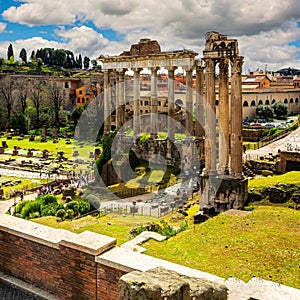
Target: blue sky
(268, 32)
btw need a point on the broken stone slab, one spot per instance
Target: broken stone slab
(163, 284)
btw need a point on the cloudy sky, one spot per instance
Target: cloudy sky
(268, 31)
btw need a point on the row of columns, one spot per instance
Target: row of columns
(121, 101)
(230, 117)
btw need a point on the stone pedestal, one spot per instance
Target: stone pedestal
(220, 193)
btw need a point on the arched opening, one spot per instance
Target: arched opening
(253, 103)
(260, 102)
(273, 101)
(245, 103)
(267, 102)
(296, 100)
(217, 102)
(291, 100)
(285, 100)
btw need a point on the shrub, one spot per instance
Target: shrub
(71, 204)
(61, 213)
(20, 206)
(31, 207)
(84, 207)
(69, 213)
(49, 199)
(36, 214)
(49, 210)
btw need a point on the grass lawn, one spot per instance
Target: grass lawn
(25, 183)
(265, 243)
(287, 178)
(53, 148)
(119, 228)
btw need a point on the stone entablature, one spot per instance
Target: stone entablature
(184, 58)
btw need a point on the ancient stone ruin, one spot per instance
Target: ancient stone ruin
(223, 185)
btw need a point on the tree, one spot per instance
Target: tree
(79, 62)
(56, 97)
(86, 62)
(280, 109)
(6, 90)
(21, 87)
(19, 122)
(94, 63)
(10, 52)
(265, 111)
(23, 55)
(37, 93)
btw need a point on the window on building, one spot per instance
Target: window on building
(217, 102)
(78, 100)
(80, 92)
(66, 85)
(159, 103)
(146, 102)
(253, 103)
(296, 100)
(285, 100)
(267, 102)
(87, 91)
(291, 100)
(245, 103)
(273, 101)
(260, 102)
(141, 102)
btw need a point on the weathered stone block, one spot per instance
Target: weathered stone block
(160, 283)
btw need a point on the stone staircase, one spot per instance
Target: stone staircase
(247, 171)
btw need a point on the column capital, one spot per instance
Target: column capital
(236, 64)
(137, 70)
(122, 71)
(171, 69)
(210, 65)
(154, 69)
(223, 64)
(188, 68)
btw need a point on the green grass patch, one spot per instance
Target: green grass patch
(266, 244)
(287, 179)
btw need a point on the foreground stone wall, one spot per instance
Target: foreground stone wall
(89, 266)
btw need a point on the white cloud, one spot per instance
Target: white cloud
(264, 29)
(2, 27)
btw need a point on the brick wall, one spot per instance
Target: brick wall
(30, 261)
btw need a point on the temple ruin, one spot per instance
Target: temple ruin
(223, 185)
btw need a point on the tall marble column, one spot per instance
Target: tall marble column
(189, 124)
(199, 125)
(117, 100)
(122, 100)
(210, 117)
(107, 102)
(171, 103)
(136, 101)
(153, 98)
(236, 150)
(223, 115)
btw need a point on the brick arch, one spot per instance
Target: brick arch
(253, 103)
(245, 104)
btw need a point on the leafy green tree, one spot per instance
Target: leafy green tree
(265, 111)
(86, 62)
(23, 55)
(79, 62)
(10, 52)
(280, 109)
(76, 114)
(19, 122)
